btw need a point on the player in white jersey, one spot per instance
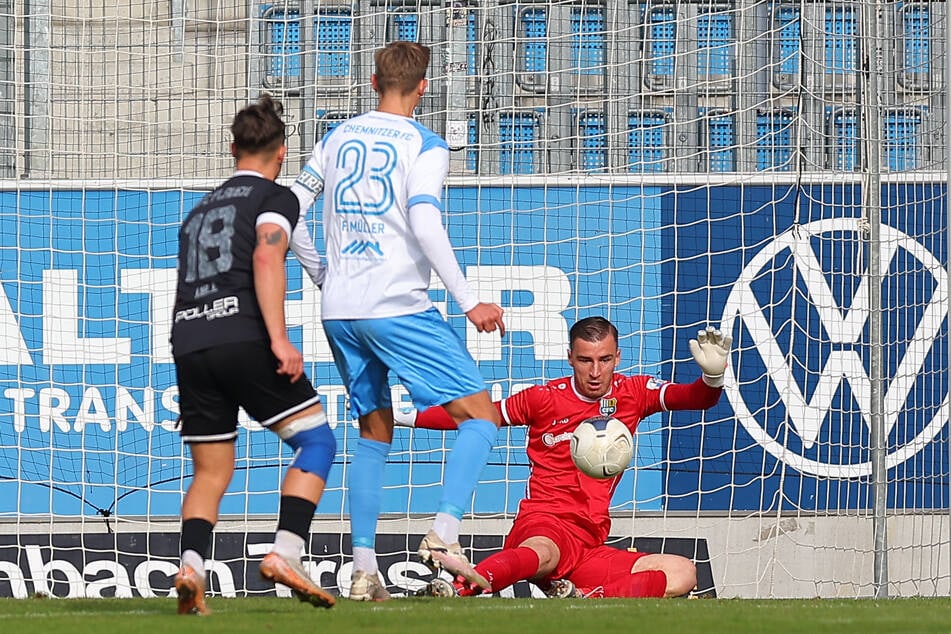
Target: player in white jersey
(382, 177)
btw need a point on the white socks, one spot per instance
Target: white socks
(364, 559)
(288, 545)
(447, 527)
(194, 561)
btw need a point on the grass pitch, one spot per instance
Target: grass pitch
(480, 616)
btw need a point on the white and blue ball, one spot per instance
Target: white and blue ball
(602, 447)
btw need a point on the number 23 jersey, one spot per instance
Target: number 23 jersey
(372, 169)
(215, 302)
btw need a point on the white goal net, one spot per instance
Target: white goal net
(777, 168)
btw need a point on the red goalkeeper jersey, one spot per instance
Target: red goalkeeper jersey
(552, 412)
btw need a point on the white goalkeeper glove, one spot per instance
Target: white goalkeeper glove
(711, 351)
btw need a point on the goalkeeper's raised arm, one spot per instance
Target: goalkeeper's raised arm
(711, 351)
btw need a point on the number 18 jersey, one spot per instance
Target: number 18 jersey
(372, 169)
(215, 302)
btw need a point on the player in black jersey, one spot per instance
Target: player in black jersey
(231, 349)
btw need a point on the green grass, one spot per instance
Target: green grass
(481, 616)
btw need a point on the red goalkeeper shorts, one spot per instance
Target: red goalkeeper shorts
(596, 569)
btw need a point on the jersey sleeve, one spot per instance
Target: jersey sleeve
(426, 178)
(434, 418)
(307, 187)
(696, 395)
(424, 189)
(650, 393)
(306, 253)
(656, 396)
(425, 222)
(525, 406)
(279, 207)
(310, 182)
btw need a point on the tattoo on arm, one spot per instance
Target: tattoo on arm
(271, 237)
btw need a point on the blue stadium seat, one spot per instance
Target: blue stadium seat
(661, 46)
(333, 27)
(721, 141)
(588, 40)
(647, 141)
(283, 44)
(843, 126)
(714, 43)
(592, 141)
(841, 42)
(774, 134)
(518, 134)
(903, 139)
(787, 43)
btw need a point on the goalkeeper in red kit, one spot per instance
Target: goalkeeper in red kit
(558, 538)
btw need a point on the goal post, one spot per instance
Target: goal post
(779, 169)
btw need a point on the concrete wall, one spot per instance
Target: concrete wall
(135, 91)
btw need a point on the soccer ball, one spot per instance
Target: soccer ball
(601, 447)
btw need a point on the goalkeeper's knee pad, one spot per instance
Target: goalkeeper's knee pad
(315, 446)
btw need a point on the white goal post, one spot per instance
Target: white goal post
(777, 168)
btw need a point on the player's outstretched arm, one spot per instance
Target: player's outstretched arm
(711, 351)
(431, 418)
(425, 223)
(425, 183)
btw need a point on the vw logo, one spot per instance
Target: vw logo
(798, 379)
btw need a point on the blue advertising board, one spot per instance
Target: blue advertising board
(88, 403)
(788, 279)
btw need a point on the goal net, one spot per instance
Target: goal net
(775, 168)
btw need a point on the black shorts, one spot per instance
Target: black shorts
(213, 382)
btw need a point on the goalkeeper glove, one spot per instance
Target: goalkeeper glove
(711, 351)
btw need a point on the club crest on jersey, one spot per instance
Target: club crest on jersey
(608, 406)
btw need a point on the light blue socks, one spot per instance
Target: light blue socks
(365, 489)
(464, 465)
